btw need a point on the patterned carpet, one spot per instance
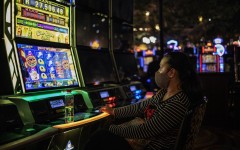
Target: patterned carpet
(210, 138)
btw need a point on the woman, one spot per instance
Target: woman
(161, 115)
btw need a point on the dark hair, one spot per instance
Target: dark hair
(189, 80)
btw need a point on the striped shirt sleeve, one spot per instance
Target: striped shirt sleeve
(137, 109)
(162, 121)
(134, 110)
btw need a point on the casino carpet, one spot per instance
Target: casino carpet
(210, 138)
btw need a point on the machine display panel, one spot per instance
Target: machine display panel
(57, 103)
(133, 88)
(42, 20)
(104, 94)
(46, 67)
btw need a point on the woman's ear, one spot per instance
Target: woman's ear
(172, 73)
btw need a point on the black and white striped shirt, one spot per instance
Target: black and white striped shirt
(161, 127)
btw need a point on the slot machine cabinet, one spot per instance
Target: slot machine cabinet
(131, 89)
(236, 50)
(17, 135)
(39, 43)
(133, 92)
(47, 108)
(48, 111)
(31, 30)
(98, 97)
(208, 59)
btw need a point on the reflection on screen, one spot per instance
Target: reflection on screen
(46, 67)
(122, 36)
(96, 66)
(126, 65)
(92, 29)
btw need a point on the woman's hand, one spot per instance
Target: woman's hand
(107, 109)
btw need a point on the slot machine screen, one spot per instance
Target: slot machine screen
(42, 20)
(46, 67)
(96, 67)
(126, 65)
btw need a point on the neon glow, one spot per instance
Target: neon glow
(220, 49)
(95, 44)
(69, 146)
(81, 122)
(174, 43)
(218, 40)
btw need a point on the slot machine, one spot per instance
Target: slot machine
(208, 59)
(99, 78)
(39, 42)
(95, 60)
(132, 89)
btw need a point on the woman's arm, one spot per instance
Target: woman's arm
(134, 110)
(162, 121)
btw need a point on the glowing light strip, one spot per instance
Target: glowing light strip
(81, 122)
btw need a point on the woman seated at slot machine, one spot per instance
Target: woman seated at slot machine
(158, 119)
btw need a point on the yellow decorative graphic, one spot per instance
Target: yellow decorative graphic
(31, 61)
(40, 61)
(43, 75)
(42, 68)
(19, 31)
(41, 34)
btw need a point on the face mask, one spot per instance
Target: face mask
(161, 79)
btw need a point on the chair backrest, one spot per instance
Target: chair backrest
(190, 126)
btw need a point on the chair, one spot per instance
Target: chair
(190, 126)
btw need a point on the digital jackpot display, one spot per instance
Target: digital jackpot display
(42, 20)
(46, 67)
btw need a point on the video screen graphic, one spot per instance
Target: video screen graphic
(46, 67)
(42, 20)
